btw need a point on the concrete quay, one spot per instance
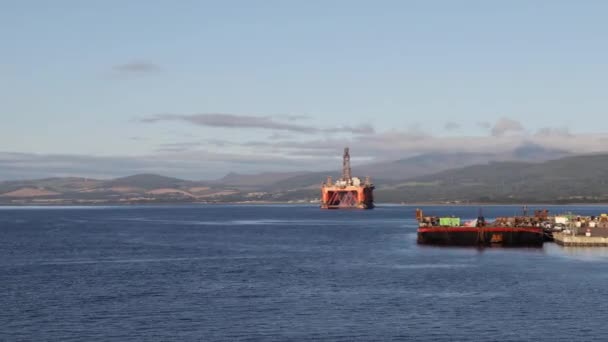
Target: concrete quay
(580, 240)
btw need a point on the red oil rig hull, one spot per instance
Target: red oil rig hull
(347, 198)
(347, 192)
(482, 236)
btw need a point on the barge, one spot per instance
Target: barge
(522, 231)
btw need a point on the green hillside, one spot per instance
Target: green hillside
(571, 179)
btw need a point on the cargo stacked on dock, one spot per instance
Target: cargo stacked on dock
(576, 230)
(348, 192)
(503, 231)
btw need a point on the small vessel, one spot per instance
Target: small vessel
(517, 231)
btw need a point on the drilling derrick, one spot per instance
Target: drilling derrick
(346, 174)
(348, 192)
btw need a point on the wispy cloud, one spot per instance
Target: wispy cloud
(279, 136)
(203, 160)
(231, 121)
(250, 121)
(179, 147)
(220, 142)
(484, 124)
(396, 144)
(451, 125)
(505, 126)
(360, 129)
(293, 117)
(211, 158)
(137, 67)
(553, 132)
(195, 165)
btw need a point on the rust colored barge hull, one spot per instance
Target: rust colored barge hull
(482, 236)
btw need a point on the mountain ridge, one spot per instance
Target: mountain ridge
(579, 178)
(576, 178)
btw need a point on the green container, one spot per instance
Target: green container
(449, 221)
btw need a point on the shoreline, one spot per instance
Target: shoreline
(243, 203)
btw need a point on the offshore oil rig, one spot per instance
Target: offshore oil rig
(348, 192)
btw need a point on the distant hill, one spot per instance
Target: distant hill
(424, 178)
(60, 185)
(387, 173)
(534, 152)
(424, 164)
(148, 181)
(256, 180)
(139, 188)
(570, 179)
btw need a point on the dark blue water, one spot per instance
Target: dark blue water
(278, 273)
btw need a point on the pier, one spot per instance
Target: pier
(565, 239)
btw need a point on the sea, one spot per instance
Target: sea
(285, 273)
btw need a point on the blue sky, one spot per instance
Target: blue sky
(200, 88)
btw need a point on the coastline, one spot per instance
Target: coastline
(283, 203)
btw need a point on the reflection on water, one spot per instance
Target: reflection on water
(577, 253)
(587, 253)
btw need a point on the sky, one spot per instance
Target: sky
(197, 89)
